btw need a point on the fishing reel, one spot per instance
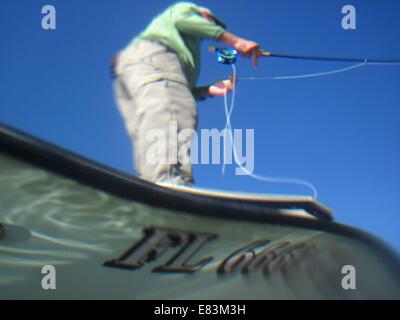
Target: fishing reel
(225, 55)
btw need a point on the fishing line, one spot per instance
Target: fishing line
(228, 128)
(308, 75)
(229, 56)
(323, 74)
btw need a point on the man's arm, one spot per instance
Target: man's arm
(200, 22)
(201, 93)
(218, 89)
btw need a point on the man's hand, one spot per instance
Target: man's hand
(248, 49)
(245, 47)
(221, 88)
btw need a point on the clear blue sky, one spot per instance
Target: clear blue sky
(340, 132)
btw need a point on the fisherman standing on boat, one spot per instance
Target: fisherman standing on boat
(156, 87)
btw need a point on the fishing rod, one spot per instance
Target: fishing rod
(229, 56)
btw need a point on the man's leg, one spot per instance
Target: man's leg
(127, 109)
(166, 109)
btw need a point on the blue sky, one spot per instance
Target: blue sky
(339, 132)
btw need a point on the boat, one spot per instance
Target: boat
(71, 228)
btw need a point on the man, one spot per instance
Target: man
(156, 87)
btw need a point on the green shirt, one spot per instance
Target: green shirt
(181, 28)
